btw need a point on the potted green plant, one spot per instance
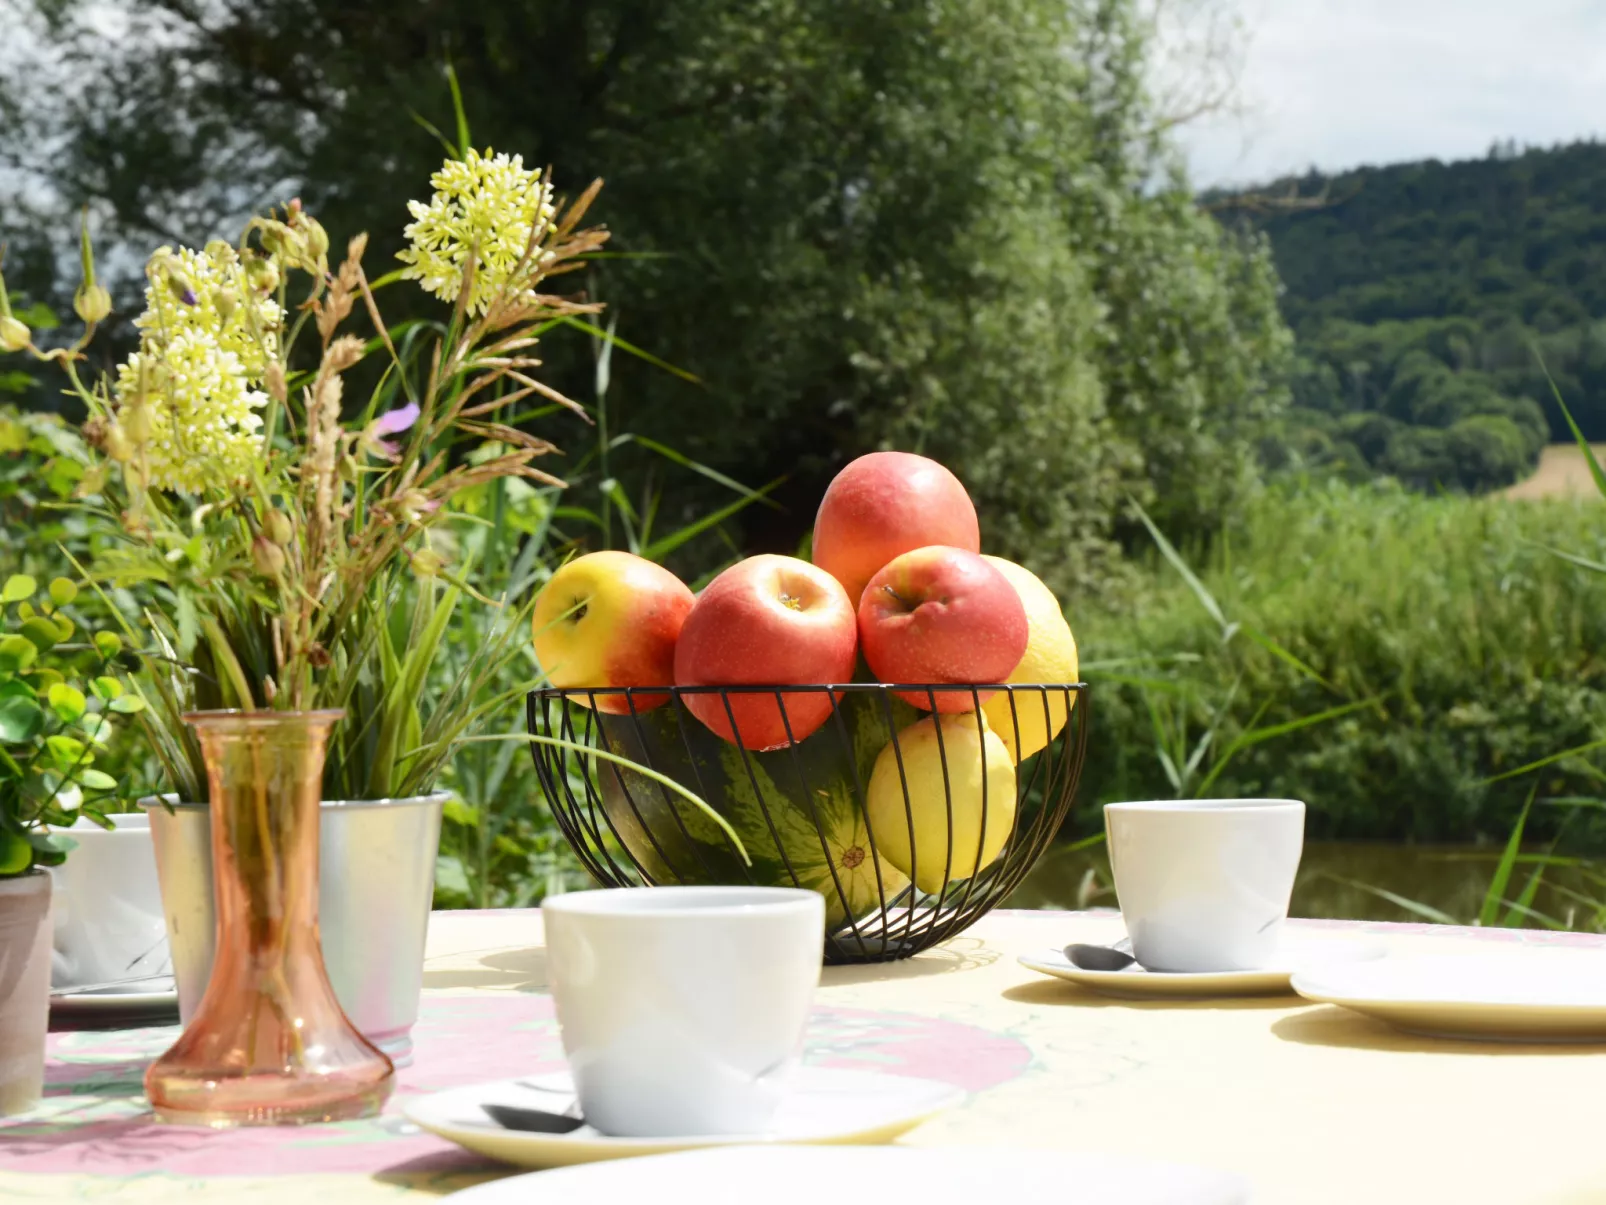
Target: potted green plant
(60, 694)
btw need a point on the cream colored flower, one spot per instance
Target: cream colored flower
(486, 205)
(199, 291)
(205, 419)
(196, 381)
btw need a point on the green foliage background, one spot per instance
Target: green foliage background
(952, 226)
(1465, 648)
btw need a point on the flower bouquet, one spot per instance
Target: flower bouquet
(295, 557)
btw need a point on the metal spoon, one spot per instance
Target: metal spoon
(533, 1121)
(1101, 958)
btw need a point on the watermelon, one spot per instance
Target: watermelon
(798, 811)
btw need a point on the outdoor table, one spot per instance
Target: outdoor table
(1312, 1103)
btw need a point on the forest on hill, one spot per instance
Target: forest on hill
(1429, 299)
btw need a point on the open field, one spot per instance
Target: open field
(1562, 473)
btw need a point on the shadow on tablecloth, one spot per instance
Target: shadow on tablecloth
(508, 970)
(1062, 992)
(1341, 1027)
(951, 957)
(444, 1172)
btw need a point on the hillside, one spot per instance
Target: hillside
(1419, 293)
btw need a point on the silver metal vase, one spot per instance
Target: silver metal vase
(376, 882)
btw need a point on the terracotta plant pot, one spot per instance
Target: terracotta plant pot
(24, 989)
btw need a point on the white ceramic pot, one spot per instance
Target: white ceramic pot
(24, 989)
(108, 915)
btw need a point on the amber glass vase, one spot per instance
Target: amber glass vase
(269, 1044)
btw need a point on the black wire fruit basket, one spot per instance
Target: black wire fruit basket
(911, 825)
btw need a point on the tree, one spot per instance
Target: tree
(953, 225)
(1443, 280)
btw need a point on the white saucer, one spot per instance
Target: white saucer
(154, 995)
(807, 1175)
(1521, 995)
(1298, 951)
(824, 1105)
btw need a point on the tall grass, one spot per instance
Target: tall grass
(1457, 647)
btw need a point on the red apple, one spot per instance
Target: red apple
(942, 615)
(610, 619)
(884, 505)
(768, 620)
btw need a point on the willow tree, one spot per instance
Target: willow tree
(950, 225)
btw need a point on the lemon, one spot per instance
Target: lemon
(912, 832)
(1050, 660)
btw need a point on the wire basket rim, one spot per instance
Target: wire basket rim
(906, 918)
(560, 692)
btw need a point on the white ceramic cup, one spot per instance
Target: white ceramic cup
(1204, 884)
(108, 921)
(682, 1008)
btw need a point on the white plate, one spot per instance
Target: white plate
(1298, 951)
(154, 995)
(807, 1175)
(1524, 995)
(824, 1105)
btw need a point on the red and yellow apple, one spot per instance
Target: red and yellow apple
(942, 615)
(768, 620)
(609, 620)
(883, 505)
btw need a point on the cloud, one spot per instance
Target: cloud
(1337, 83)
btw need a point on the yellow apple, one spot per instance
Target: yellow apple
(912, 830)
(608, 620)
(1050, 659)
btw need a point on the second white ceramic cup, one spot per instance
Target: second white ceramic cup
(683, 1008)
(108, 919)
(1204, 884)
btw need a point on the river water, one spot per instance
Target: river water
(1451, 879)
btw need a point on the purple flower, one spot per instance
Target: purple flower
(389, 423)
(393, 421)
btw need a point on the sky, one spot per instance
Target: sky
(1340, 83)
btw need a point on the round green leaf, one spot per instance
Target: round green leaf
(43, 679)
(97, 727)
(20, 720)
(42, 632)
(106, 688)
(65, 751)
(62, 591)
(66, 701)
(64, 627)
(16, 855)
(109, 644)
(18, 587)
(16, 653)
(97, 780)
(127, 704)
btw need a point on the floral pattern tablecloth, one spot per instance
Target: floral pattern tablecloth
(1314, 1104)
